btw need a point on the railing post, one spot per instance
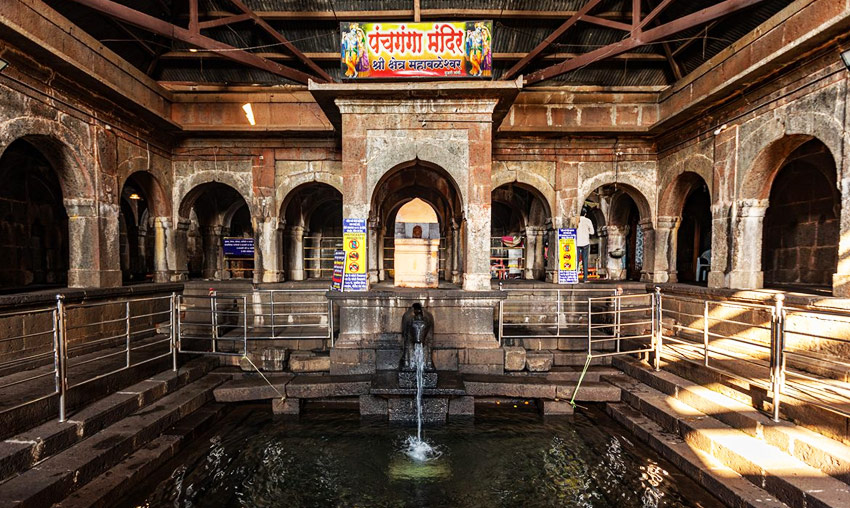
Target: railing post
(777, 356)
(62, 354)
(501, 320)
(589, 326)
(658, 330)
(705, 333)
(618, 307)
(174, 330)
(127, 331)
(214, 316)
(271, 300)
(558, 310)
(245, 324)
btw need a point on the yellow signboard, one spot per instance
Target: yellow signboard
(354, 244)
(567, 257)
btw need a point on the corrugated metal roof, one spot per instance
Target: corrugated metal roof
(511, 35)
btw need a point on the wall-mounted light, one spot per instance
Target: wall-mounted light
(193, 50)
(134, 196)
(846, 57)
(249, 113)
(3, 64)
(720, 129)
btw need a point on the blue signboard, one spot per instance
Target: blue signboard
(354, 244)
(567, 256)
(239, 247)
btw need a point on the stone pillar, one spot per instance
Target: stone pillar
(177, 251)
(267, 253)
(476, 273)
(664, 260)
(93, 239)
(647, 270)
(456, 254)
(212, 251)
(382, 273)
(616, 241)
(539, 266)
(372, 249)
(552, 261)
(295, 253)
(141, 248)
(532, 264)
(163, 237)
(841, 278)
(746, 247)
(720, 233)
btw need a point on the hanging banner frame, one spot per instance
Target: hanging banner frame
(567, 256)
(439, 49)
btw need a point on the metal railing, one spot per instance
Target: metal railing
(67, 346)
(551, 313)
(209, 322)
(632, 319)
(779, 349)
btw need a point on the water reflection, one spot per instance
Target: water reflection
(251, 460)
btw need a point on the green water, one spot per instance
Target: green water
(501, 459)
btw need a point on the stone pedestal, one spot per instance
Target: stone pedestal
(370, 324)
(407, 379)
(416, 263)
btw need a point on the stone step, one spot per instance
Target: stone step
(816, 450)
(23, 450)
(318, 387)
(102, 491)
(726, 484)
(790, 480)
(53, 479)
(577, 359)
(530, 387)
(253, 388)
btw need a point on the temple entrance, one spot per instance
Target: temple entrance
(34, 226)
(626, 229)
(417, 243)
(313, 231)
(142, 204)
(520, 220)
(693, 239)
(220, 233)
(434, 205)
(801, 230)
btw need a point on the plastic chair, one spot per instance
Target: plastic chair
(703, 266)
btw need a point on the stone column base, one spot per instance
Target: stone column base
(841, 285)
(716, 279)
(746, 280)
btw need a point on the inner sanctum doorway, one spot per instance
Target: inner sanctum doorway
(411, 195)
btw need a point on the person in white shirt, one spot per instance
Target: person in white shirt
(583, 232)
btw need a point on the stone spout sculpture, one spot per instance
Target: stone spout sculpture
(417, 329)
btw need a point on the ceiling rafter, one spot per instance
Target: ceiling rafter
(517, 67)
(194, 38)
(425, 14)
(281, 39)
(638, 36)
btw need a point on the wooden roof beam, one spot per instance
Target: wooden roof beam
(425, 14)
(166, 29)
(325, 77)
(534, 53)
(642, 38)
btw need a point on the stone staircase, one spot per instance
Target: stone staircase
(122, 435)
(733, 450)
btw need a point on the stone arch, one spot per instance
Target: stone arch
(61, 146)
(529, 180)
(758, 178)
(675, 192)
(160, 205)
(642, 191)
(312, 217)
(285, 189)
(422, 153)
(401, 184)
(186, 190)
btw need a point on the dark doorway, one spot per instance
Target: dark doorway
(693, 241)
(33, 221)
(801, 230)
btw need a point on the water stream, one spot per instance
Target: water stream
(417, 448)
